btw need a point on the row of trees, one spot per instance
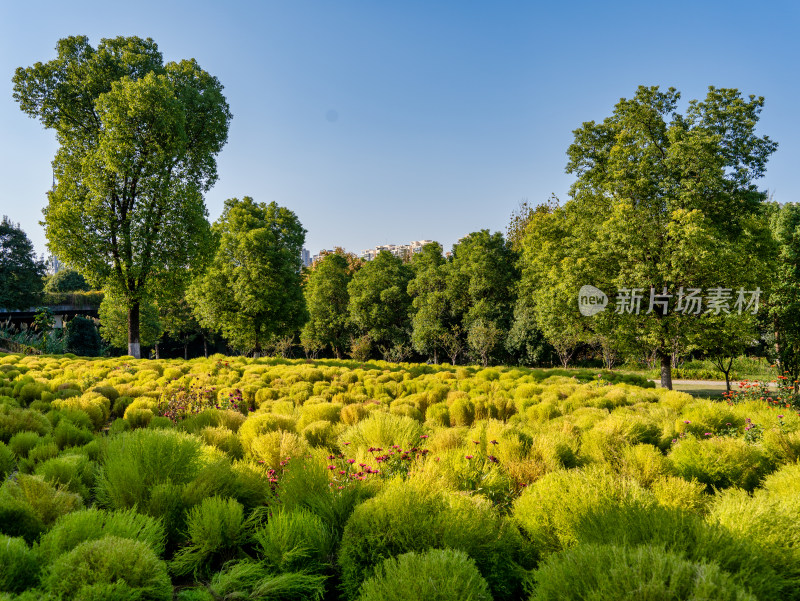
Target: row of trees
(662, 201)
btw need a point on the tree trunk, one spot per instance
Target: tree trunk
(205, 347)
(185, 351)
(156, 349)
(666, 370)
(134, 348)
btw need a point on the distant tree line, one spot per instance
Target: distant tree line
(664, 204)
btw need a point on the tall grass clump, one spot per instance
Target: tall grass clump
(612, 573)
(382, 430)
(294, 541)
(217, 530)
(136, 462)
(110, 568)
(434, 575)
(253, 581)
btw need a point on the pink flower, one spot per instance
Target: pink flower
(469, 456)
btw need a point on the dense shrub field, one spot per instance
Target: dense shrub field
(234, 478)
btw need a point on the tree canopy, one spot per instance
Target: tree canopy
(251, 291)
(20, 271)
(663, 202)
(137, 145)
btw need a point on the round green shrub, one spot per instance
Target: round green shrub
(550, 510)
(721, 462)
(7, 461)
(413, 516)
(613, 573)
(110, 568)
(435, 575)
(22, 443)
(92, 524)
(20, 565)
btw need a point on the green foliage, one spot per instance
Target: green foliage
(551, 509)
(721, 462)
(326, 297)
(14, 420)
(73, 472)
(608, 572)
(72, 529)
(66, 280)
(379, 303)
(82, 337)
(251, 291)
(138, 132)
(113, 314)
(295, 540)
(382, 430)
(435, 575)
(20, 565)
(217, 530)
(7, 460)
(251, 580)
(20, 271)
(410, 516)
(29, 505)
(114, 568)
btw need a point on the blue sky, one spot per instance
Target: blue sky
(385, 122)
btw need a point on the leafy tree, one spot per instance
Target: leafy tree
(481, 280)
(137, 145)
(251, 291)
(20, 271)
(662, 202)
(327, 301)
(482, 338)
(431, 317)
(114, 321)
(784, 297)
(66, 280)
(82, 337)
(379, 302)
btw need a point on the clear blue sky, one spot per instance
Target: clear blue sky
(384, 122)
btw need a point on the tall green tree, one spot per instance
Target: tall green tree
(666, 202)
(20, 271)
(784, 297)
(137, 145)
(66, 280)
(251, 291)
(481, 279)
(379, 302)
(327, 301)
(431, 317)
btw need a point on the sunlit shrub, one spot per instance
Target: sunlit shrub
(110, 568)
(720, 462)
(608, 572)
(550, 510)
(13, 420)
(22, 443)
(435, 575)
(75, 528)
(382, 430)
(411, 517)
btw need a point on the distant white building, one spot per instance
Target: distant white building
(398, 250)
(53, 265)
